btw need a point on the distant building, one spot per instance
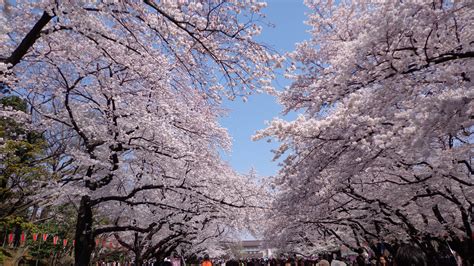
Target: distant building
(249, 249)
(255, 249)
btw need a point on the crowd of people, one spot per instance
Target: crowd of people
(405, 255)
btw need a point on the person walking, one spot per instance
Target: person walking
(206, 261)
(323, 263)
(360, 260)
(410, 255)
(382, 261)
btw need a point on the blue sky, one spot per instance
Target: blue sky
(244, 119)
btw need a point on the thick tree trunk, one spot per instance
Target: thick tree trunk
(138, 260)
(18, 254)
(85, 243)
(17, 238)
(467, 252)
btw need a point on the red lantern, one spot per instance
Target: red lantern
(23, 237)
(35, 237)
(10, 238)
(45, 237)
(55, 240)
(74, 243)
(64, 242)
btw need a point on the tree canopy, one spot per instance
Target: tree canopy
(129, 93)
(382, 148)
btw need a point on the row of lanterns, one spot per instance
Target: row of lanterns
(11, 238)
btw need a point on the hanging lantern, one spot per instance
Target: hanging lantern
(55, 240)
(23, 237)
(35, 237)
(10, 238)
(64, 242)
(45, 237)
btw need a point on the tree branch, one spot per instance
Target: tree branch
(28, 41)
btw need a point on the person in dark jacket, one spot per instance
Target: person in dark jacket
(408, 255)
(360, 260)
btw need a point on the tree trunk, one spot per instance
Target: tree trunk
(85, 243)
(138, 260)
(466, 253)
(34, 213)
(18, 254)
(17, 236)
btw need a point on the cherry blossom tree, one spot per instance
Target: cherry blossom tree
(172, 232)
(382, 149)
(187, 220)
(133, 89)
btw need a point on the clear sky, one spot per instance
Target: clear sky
(245, 119)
